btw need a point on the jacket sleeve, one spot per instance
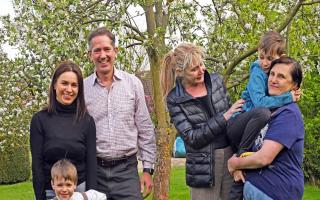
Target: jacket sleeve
(196, 137)
(91, 157)
(36, 145)
(257, 90)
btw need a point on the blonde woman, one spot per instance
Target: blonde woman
(199, 108)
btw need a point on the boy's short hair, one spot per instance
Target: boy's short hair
(64, 169)
(272, 43)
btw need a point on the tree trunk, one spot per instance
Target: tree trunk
(163, 164)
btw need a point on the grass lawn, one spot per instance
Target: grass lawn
(178, 189)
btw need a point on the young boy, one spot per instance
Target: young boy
(244, 127)
(64, 182)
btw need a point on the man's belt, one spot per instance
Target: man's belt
(110, 163)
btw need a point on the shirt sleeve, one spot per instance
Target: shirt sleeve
(36, 145)
(146, 132)
(257, 89)
(91, 157)
(282, 128)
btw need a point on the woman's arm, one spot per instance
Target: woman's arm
(197, 137)
(269, 150)
(257, 89)
(91, 157)
(36, 145)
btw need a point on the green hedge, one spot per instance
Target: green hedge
(14, 164)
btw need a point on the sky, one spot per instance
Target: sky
(5, 9)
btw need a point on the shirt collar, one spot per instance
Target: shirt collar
(118, 75)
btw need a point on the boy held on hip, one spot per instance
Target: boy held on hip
(64, 182)
(256, 111)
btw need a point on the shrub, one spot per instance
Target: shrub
(14, 160)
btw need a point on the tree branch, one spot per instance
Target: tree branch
(134, 44)
(135, 37)
(94, 20)
(150, 18)
(94, 3)
(214, 60)
(231, 66)
(290, 16)
(238, 82)
(135, 29)
(217, 11)
(310, 3)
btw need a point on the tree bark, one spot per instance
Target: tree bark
(156, 27)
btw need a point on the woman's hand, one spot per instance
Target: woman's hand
(236, 107)
(231, 164)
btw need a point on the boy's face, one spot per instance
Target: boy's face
(265, 60)
(63, 188)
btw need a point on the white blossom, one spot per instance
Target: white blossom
(260, 17)
(51, 6)
(72, 8)
(304, 39)
(247, 26)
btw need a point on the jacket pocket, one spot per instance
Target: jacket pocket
(199, 170)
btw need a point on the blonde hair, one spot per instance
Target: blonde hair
(272, 43)
(64, 169)
(179, 58)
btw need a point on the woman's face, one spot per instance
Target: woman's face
(280, 80)
(194, 74)
(66, 88)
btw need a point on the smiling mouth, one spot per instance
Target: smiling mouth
(68, 97)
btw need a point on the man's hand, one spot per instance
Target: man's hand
(146, 184)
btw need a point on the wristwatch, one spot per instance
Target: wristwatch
(148, 170)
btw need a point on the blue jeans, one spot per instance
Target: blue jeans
(250, 192)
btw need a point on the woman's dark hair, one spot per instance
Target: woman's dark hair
(67, 66)
(296, 71)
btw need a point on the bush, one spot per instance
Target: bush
(14, 162)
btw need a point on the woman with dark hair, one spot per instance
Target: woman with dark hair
(63, 129)
(274, 171)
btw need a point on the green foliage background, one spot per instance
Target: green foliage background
(46, 32)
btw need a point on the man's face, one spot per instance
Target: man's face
(63, 188)
(265, 60)
(103, 54)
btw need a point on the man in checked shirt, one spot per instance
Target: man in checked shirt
(115, 99)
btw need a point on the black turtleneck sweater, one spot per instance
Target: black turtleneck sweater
(57, 136)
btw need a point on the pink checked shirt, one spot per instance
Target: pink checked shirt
(122, 119)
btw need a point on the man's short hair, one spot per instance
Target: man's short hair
(64, 169)
(99, 32)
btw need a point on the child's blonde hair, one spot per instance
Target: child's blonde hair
(272, 43)
(64, 169)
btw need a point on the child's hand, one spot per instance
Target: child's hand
(296, 94)
(238, 175)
